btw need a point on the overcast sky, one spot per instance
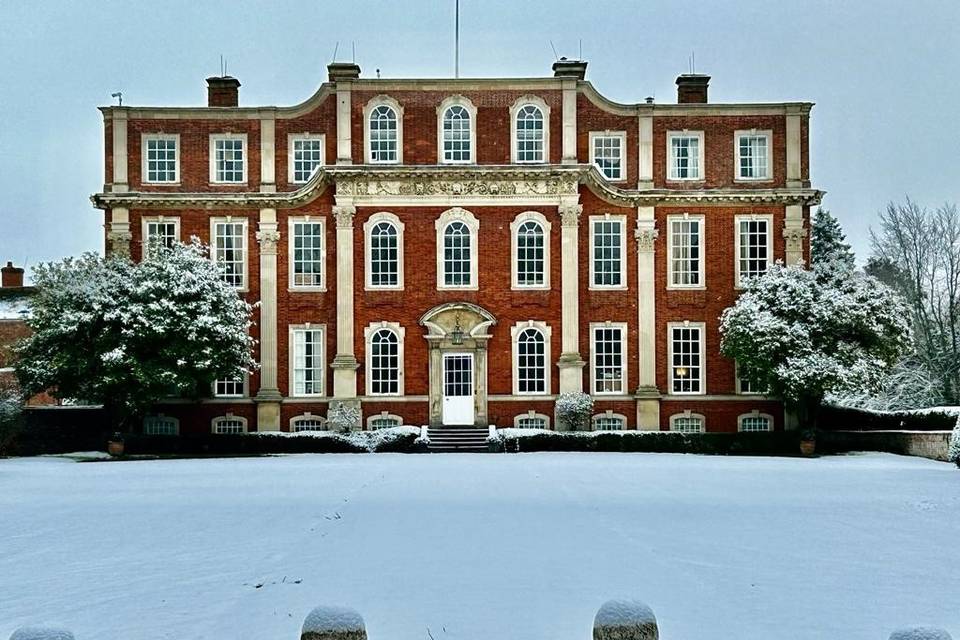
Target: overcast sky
(883, 75)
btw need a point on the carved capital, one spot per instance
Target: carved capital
(794, 238)
(120, 243)
(344, 215)
(570, 214)
(268, 239)
(646, 236)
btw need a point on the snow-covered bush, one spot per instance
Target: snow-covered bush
(574, 409)
(11, 411)
(127, 335)
(802, 334)
(953, 453)
(343, 417)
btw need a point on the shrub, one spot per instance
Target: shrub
(850, 419)
(574, 409)
(342, 417)
(953, 453)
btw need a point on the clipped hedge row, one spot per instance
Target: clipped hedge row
(268, 443)
(775, 443)
(43, 430)
(849, 419)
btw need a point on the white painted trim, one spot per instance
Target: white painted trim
(246, 245)
(306, 415)
(515, 225)
(291, 330)
(686, 324)
(768, 134)
(457, 214)
(607, 414)
(397, 329)
(623, 152)
(624, 355)
(515, 108)
(212, 151)
(472, 111)
(531, 414)
(701, 165)
(701, 219)
(688, 414)
(372, 221)
(291, 221)
(229, 396)
(547, 332)
(383, 415)
(738, 386)
(291, 137)
(229, 416)
(144, 137)
(148, 220)
(373, 103)
(754, 414)
(736, 242)
(622, 219)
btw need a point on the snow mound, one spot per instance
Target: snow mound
(41, 633)
(920, 633)
(627, 613)
(369, 440)
(324, 620)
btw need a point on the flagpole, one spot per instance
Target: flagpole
(456, 57)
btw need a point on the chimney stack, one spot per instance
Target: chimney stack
(11, 277)
(343, 71)
(564, 68)
(692, 88)
(223, 91)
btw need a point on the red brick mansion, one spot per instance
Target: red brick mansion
(462, 251)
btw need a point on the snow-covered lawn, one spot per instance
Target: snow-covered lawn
(492, 547)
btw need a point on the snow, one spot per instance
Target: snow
(368, 440)
(326, 619)
(15, 308)
(480, 546)
(920, 633)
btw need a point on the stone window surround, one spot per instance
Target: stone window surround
(464, 102)
(531, 414)
(306, 415)
(768, 134)
(145, 221)
(624, 351)
(229, 416)
(736, 241)
(688, 414)
(545, 226)
(547, 332)
(544, 108)
(144, 137)
(368, 334)
(702, 268)
(623, 152)
(308, 219)
(701, 155)
(457, 214)
(754, 414)
(214, 137)
(739, 386)
(623, 252)
(381, 416)
(160, 416)
(291, 137)
(244, 394)
(607, 414)
(686, 324)
(291, 358)
(246, 245)
(373, 103)
(373, 221)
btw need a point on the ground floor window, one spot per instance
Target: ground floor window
(755, 422)
(160, 426)
(307, 422)
(687, 423)
(383, 420)
(229, 424)
(609, 421)
(609, 362)
(307, 362)
(531, 420)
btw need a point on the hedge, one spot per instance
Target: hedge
(768, 443)
(848, 419)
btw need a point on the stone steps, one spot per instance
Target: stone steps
(457, 439)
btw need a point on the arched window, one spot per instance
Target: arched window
(755, 421)
(609, 421)
(383, 420)
(160, 425)
(531, 420)
(531, 264)
(687, 422)
(229, 424)
(308, 422)
(530, 137)
(384, 359)
(457, 255)
(457, 129)
(531, 362)
(383, 134)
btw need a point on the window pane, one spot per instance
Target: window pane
(383, 135)
(229, 160)
(754, 248)
(686, 367)
(384, 255)
(607, 247)
(608, 156)
(456, 135)
(530, 255)
(307, 157)
(685, 157)
(384, 363)
(531, 362)
(308, 254)
(230, 252)
(608, 360)
(456, 255)
(685, 252)
(530, 134)
(308, 362)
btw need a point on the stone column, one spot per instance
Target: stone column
(268, 155)
(480, 385)
(648, 396)
(569, 128)
(794, 233)
(645, 160)
(119, 236)
(344, 129)
(345, 362)
(120, 182)
(794, 173)
(436, 384)
(268, 397)
(570, 363)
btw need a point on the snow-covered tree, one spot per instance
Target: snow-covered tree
(803, 334)
(953, 454)
(907, 385)
(828, 243)
(575, 409)
(106, 330)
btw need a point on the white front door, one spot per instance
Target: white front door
(458, 389)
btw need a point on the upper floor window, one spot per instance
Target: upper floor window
(229, 424)
(457, 131)
(306, 155)
(608, 252)
(229, 249)
(686, 357)
(230, 387)
(457, 242)
(228, 158)
(609, 362)
(384, 125)
(529, 125)
(384, 359)
(384, 255)
(608, 152)
(159, 232)
(308, 255)
(753, 246)
(753, 155)
(745, 385)
(161, 158)
(687, 422)
(685, 155)
(685, 242)
(531, 251)
(531, 348)
(307, 360)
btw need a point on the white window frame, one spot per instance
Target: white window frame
(768, 217)
(739, 383)
(214, 137)
(291, 359)
(515, 108)
(686, 324)
(291, 252)
(622, 135)
(754, 414)
(452, 101)
(765, 133)
(622, 219)
(383, 415)
(231, 417)
(368, 226)
(701, 271)
(145, 223)
(531, 414)
(291, 162)
(368, 334)
(473, 225)
(160, 416)
(245, 388)
(144, 171)
(687, 414)
(624, 354)
(545, 226)
(307, 416)
(701, 155)
(609, 414)
(373, 103)
(245, 286)
(547, 333)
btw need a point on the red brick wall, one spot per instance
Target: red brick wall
(590, 117)
(322, 120)
(721, 416)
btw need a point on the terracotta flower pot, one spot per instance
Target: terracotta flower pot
(807, 447)
(115, 447)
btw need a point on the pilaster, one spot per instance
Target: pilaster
(120, 182)
(794, 233)
(569, 128)
(344, 130)
(345, 362)
(647, 395)
(119, 236)
(570, 363)
(794, 174)
(268, 155)
(268, 397)
(645, 161)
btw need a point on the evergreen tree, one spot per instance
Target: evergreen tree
(828, 243)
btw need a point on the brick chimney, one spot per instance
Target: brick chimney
(223, 91)
(11, 277)
(564, 68)
(343, 71)
(692, 88)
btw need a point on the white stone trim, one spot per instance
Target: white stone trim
(686, 324)
(291, 221)
(515, 225)
(736, 242)
(623, 152)
(738, 385)
(381, 416)
(472, 110)
(227, 396)
(368, 108)
(702, 269)
(515, 108)
(547, 332)
(688, 414)
(372, 221)
(794, 150)
(607, 414)
(344, 124)
(622, 219)
(268, 156)
(306, 415)
(291, 137)
(624, 358)
(754, 414)
(291, 330)
(457, 214)
(368, 334)
(645, 153)
(147, 220)
(144, 173)
(212, 151)
(215, 421)
(118, 125)
(701, 164)
(768, 134)
(246, 245)
(531, 414)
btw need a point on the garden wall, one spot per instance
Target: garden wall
(926, 444)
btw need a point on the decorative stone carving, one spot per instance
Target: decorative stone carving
(344, 215)
(646, 236)
(465, 186)
(570, 214)
(120, 243)
(268, 239)
(794, 238)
